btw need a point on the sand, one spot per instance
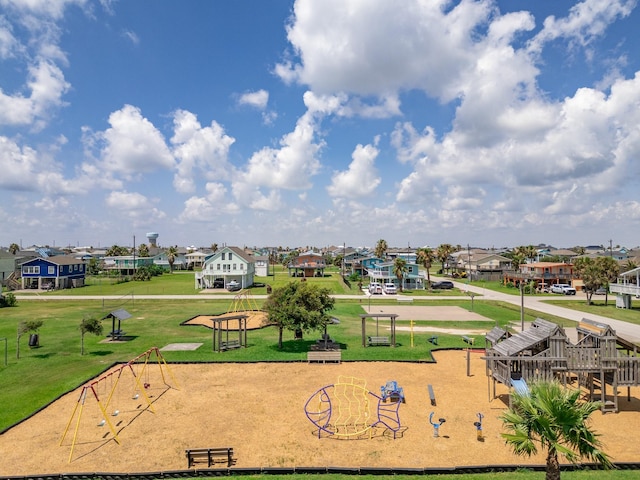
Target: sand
(258, 409)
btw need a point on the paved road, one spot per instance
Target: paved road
(626, 330)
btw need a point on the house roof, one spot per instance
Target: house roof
(58, 260)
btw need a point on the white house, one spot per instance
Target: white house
(227, 264)
(262, 265)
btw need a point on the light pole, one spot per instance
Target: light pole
(521, 307)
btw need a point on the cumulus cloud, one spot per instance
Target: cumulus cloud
(292, 165)
(201, 152)
(258, 99)
(207, 208)
(132, 145)
(134, 206)
(361, 178)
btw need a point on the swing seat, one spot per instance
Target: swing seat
(101, 423)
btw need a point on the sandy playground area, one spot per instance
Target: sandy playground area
(258, 409)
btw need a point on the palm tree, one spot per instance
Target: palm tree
(426, 256)
(442, 253)
(143, 250)
(172, 254)
(14, 248)
(214, 247)
(381, 248)
(399, 270)
(553, 418)
(116, 251)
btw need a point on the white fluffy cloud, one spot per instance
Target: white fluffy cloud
(200, 151)
(134, 206)
(361, 178)
(132, 145)
(258, 99)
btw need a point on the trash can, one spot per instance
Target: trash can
(34, 340)
(269, 289)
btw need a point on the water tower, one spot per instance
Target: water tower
(153, 239)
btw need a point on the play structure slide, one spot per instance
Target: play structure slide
(520, 386)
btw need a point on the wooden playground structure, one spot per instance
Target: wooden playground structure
(599, 360)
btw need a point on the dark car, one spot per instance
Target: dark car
(443, 285)
(218, 283)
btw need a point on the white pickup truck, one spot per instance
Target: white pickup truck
(563, 288)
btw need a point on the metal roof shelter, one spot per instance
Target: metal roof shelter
(117, 315)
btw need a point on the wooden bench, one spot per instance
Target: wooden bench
(433, 339)
(209, 456)
(378, 341)
(469, 340)
(432, 395)
(228, 345)
(402, 299)
(324, 356)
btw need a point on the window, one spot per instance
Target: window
(32, 270)
(242, 266)
(51, 270)
(223, 254)
(230, 255)
(234, 265)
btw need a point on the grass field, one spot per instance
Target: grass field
(41, 374)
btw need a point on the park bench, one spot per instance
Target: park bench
(210, 456)
(229, 344)
(373, 341)
(402, 299)
(432, 395)
(469, 340)
(433, 339)
(324, 356)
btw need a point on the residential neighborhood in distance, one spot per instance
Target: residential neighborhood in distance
(377, 270)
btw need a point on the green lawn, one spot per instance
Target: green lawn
(41, 374)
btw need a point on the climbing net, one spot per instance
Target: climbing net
(344, 410)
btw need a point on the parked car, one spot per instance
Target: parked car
(563, 288)
(544, 288)
(443, 285)
(233, 286)
(218, 283)
(389, 288)
(375, 289)
(601, 291)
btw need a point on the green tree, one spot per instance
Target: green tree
(399, 270)
(553, 418)
(214, 247)
(89, 325)
(117, 251)
(172, 254)
(14, 248)
(27, 326)
(299, 307)
(381, 249)
(143, 250)
(595, 273)
(610, 269)
(442, 254)
(426, 256)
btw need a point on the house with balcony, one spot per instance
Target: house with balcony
(547, 273)
(481, 265)
(126, 264)
(307, 264)
(626, 287)
(226, 265)
(383, 273)
(56, 272)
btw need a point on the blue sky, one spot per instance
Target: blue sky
(489, 123)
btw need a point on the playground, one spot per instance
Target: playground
(258, 409)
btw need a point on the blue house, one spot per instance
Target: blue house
(53, 272)
(383, 273)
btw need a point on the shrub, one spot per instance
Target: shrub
(8, 300)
